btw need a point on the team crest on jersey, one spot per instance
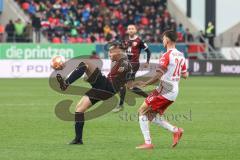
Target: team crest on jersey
(134, 44)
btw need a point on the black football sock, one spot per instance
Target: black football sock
(122, 95)
(77, 73)
(79, 123)
(140, 92)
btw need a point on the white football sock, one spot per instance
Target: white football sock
(165, 124)
(143, 121)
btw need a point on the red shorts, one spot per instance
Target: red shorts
(157, 102)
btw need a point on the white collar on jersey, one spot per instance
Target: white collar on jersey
(171, 49)
(135, 37)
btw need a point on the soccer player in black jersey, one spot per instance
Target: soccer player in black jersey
(103, 87)
(134, 45)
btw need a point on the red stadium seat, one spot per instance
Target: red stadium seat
(196, 48)
(180, 37)
(79, 40)
(25, 6)
(72, 40)
(56, 40)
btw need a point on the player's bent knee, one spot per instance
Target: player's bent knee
(129, 85)
(83, 65)
(142, 110)
(83, 104)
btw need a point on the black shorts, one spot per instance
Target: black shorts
(135, 68)
(102, 88)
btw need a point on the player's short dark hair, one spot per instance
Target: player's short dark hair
(172, 35)
(116, 43)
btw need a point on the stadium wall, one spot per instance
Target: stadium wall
(179, 13)
(46, 51)
(226, 13)
(231, 53)
(197, 12)
(214, 68)
(33, 60)
(12, 11)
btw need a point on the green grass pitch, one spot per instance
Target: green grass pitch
(29, 129)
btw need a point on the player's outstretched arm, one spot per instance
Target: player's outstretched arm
(144, 46)
(148, 58)
(153, 80)
(148, 55)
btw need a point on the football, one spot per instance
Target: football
(58, 62)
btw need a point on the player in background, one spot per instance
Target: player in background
(94, 55)
(103, 87)
(171, 68)
(134, 45)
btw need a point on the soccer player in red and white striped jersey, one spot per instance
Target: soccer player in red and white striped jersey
(172, 67)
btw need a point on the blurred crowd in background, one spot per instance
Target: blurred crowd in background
(89, 21)
(77, 21)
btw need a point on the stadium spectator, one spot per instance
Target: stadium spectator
(158, 37)
(188, 36)
(36, 24)
(201, 37)
(94, 55)
(1, 32)
(180, 29)
(28, 32)
(32, 8)
(180, 32)
(80, 21)
(210, 34)
(10, 31)
(19, 27)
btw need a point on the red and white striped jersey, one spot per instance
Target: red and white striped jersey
(173, 64)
